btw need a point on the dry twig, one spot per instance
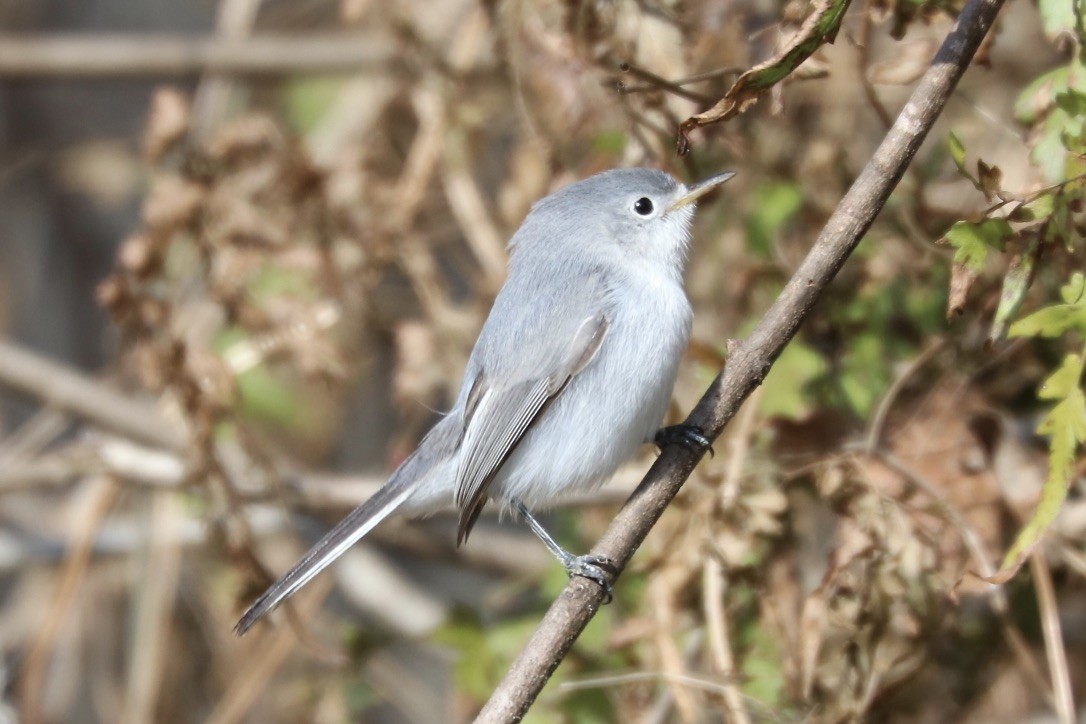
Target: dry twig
(115, 56)
(1053, 635)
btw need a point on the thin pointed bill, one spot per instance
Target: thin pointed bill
(695, 192)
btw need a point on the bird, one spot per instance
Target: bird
(571, 373)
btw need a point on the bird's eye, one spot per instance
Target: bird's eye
(643, 206)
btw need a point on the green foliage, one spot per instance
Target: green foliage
(1057, 319)
(972, 241)
(878, 326)
(308, 98)
(358, 695)
(610, 142)
(775, 204)
(265, 396)
(1055, 105)
(1015, 285)
(1065, 427)
(783, 388)
(484, 653)
(1063, 16)
(763, 679)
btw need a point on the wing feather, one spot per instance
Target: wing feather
(502, 413)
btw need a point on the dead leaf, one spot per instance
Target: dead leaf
(167, 122)
(820, 27)
(962, 279)
(991, 178)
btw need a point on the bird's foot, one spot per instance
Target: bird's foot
(600, 569)
(691, 437)
(596, 568)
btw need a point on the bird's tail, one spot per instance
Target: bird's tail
(360, 522)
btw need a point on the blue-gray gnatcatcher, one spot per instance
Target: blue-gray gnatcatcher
(572, 371)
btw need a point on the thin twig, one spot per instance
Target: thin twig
(656, 81)
(1050, 626)
(639, 677)
(126, 56)
(714, 584)
(874, 430)
(662, 593)
(269, 653)
(156, 592)
(212, 97)
(101, 496)
(864, 46)
(748, 364)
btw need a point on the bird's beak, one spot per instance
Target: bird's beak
(695, 192)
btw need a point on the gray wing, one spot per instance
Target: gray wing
(499, 411)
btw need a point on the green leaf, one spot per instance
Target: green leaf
(586, 706)
(763, 679)
(1036, 209)
(865, 371)
(774, 206)
(1061, 385)
(1049, 152)
(782, 390)
(268, 398)
(1050, 322)
(1015, 285)
(1039, 95)
(956, 149)
(1057, 319)
(973, 241)
(1058, 16)
(309, 98)
(483, 655)
(1065, 425)
(611, 142)
(1074, 291)
(1073, 103)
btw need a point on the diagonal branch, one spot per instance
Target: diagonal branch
(59, 386)
(748, 364)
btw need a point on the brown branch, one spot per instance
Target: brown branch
(748, 365)
(112, 56)
(59, 386)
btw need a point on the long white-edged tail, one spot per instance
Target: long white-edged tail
(361, 521)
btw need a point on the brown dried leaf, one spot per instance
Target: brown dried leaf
(820, 27)
(136, 255)
(962, 279)
(991, 178)
(167, 122)
(250, 136)
(171, 205)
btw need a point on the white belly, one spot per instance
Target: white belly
(611, 408)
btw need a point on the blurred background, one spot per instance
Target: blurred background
(245, 249)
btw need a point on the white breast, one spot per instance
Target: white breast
(616, 404)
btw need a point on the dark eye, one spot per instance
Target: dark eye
(643, 206)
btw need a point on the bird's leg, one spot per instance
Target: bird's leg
(588, 566)
(689, 436)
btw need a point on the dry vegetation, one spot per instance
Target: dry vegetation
(313, 260)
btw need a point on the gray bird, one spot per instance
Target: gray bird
(572, 371)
